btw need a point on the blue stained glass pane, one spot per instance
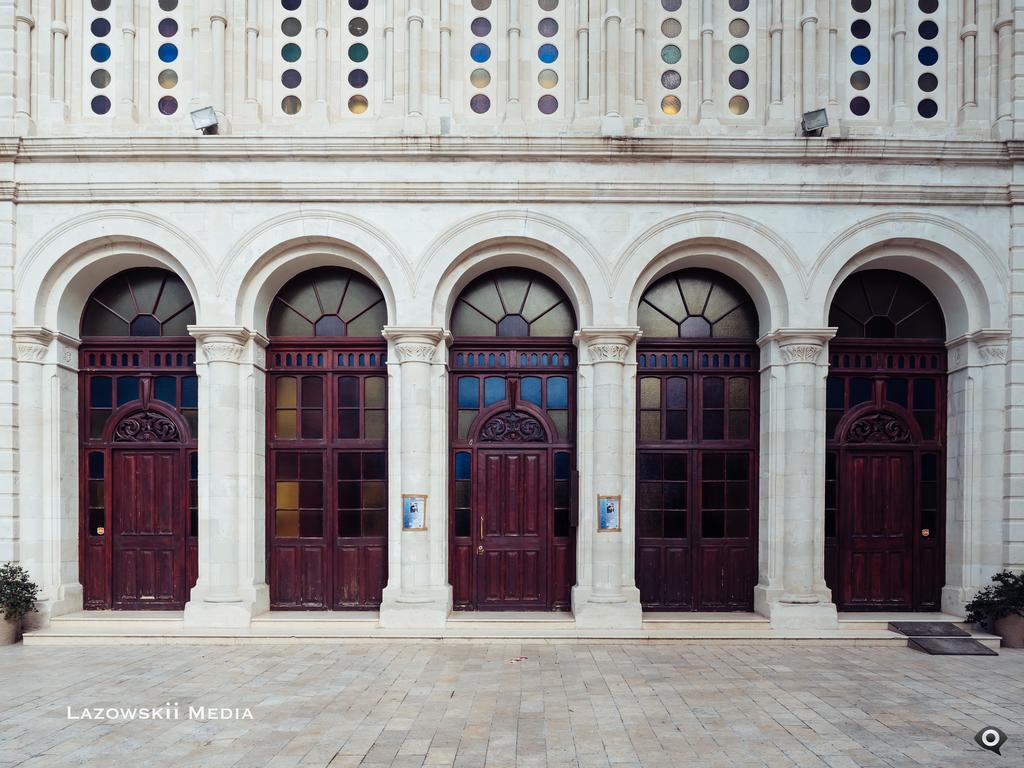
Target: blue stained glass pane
(100, 27)
(558, 392)
(190, 392)
(462, 465)
(166, 390)
(167, 52)
(494, 390)
(193, 466)
(861, 55)
(100, 393)
(530, 390)
(127, 389)
(928, 56)
(562, 468)
(547, 53)
(95, 466)
(469, 392)
(480, 53)
(100, 52)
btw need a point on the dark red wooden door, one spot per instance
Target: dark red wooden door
(511, 536)
(149, 530)
(878, 530)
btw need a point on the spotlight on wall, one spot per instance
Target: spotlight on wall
(205, 120)
(814, 122)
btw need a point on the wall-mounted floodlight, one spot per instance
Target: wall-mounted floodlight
(814, 122)
(205, 120)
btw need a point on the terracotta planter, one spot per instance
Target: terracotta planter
(1011, 629)
(8, 631)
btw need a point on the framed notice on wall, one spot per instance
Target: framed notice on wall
(608, 513)
(414, 512)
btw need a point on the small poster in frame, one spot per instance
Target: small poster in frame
(608, 513)
(414, 512)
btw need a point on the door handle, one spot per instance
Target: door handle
(481, 527)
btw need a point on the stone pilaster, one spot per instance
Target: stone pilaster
(417, 594)
(605, 594)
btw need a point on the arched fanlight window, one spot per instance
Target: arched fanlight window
(513, 303)
(883, 304)
(328, 301)
(697, 303)
(140, 302)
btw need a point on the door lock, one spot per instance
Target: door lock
(480, 549)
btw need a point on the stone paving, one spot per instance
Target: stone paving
(402, 703)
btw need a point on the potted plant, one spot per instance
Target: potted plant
(1000, 607)
(17, 599)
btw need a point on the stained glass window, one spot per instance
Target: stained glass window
(883, 304)
(328, 301)
(513, 303)
(140, 302)
(697, 303)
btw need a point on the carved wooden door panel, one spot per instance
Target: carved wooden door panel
(512, 529)
(149, 530)
(878, 528)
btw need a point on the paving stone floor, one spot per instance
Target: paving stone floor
(480, 704)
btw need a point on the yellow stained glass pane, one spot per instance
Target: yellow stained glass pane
(168, 78)
(671, 105)
(288, 523)
(375, 392)
(286, 388)
(375, 425)
(650, 392)
(650, 425)
(286, 421)
(287, 495)
(561, 422)
(480, 78)
(357, 105)
(465, 420)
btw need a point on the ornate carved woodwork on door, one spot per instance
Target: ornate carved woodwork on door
(139, 403)
(697, 437)
(327, 443)
(885, 445)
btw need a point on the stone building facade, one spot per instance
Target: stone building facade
(600, 152)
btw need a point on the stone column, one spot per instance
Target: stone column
(24, 23)
(804, 602)
(217, 600)
(605, 595)
(417, 594)
(612, 123)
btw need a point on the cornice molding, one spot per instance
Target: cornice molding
(987, 346)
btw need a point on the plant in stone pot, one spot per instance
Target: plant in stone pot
(17, 599)
(1000, 607)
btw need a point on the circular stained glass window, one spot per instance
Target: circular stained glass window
(167, 52)
(100, 27)
(167, 105)
(928, 6)
(358, 26)
(547, 78)
(291, 5)
(739, 54)
(671, 28)
(100, 5)
(547, 53)
(547, 104)
(738, 28)
(739, 79)
(100, 105)
(860, 29)
(100, 52)
(671, 54)
(928, 82)
(860, 106)
(861, 6)
(358, 5)
(860, 80)
(860, 55)
(291, 52)
(480, 103)
(100, 78)
(358, 52)
(548, 27)
(928, 56)
(168, 27)
(481, 27)
(739, 5)
(291, 78)
(671, 105)
(291, 105)
(738, 105)
(671, 5)
(928, 30)
(168, 78)
(480, 53)
(480, 78)
(481, 5)
(168, 5)
(358, 78)
(927, 108)
(357, 105)
(291, 27)
(548, 5)
(671, 79)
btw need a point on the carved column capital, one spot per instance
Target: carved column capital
(606, 345)
(222, 345)
(987, 346)
(798, 345)
(800, 353)
(33, 343)
(416, 345)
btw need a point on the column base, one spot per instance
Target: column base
(597, 612)
(955, 598)
(202, 613)
(820, 615)
(764, 597)
(613, 125)
(423, 609)
(69, 598)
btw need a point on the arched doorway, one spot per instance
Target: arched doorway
(327, 442)
(697, 437)
(885, 445)
(139, 466)
(512, 431)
